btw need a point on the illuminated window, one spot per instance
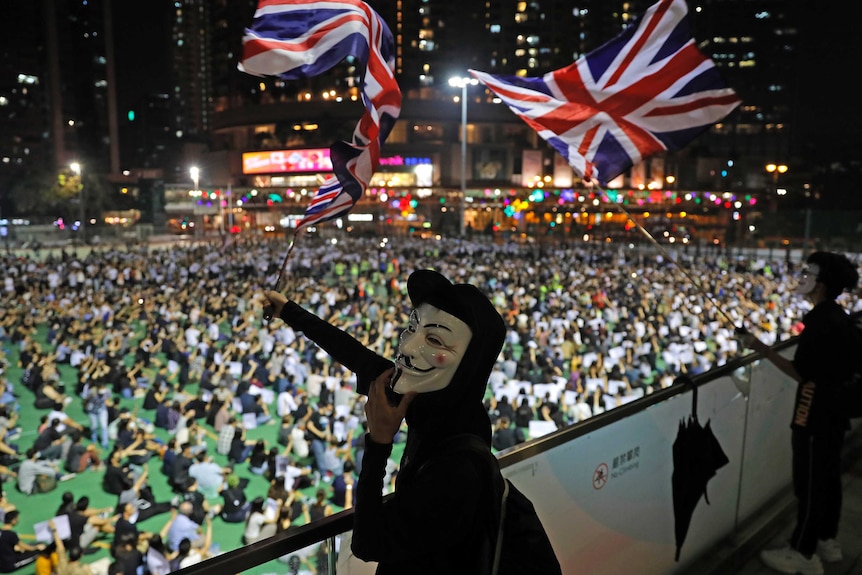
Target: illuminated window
(427, 132)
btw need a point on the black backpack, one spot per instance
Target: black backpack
(524, 545)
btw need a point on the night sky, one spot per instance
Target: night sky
(827, 121)
(142, 40)
(829, 62)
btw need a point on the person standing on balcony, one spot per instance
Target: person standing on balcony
(438, 383)
(823, 359)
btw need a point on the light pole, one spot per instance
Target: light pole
(776, 170)
(5, 230)
(195, 174)
(82, 198)
(230, 208)
(462, 82)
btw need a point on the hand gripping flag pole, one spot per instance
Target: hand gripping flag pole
(283, 275)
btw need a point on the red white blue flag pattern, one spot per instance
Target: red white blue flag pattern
(646, 91)
(295, 39)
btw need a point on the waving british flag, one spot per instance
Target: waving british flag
(648, 90)
(301, 38)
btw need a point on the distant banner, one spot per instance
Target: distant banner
(285, 161)
(563, 174)
(531, 167)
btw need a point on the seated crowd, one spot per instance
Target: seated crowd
(153, 369)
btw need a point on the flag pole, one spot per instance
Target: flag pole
(283, 276)
(666, 254)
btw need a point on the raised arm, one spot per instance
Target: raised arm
(340, 345)
(167, 527)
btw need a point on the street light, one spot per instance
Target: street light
(462, 82)
(77, 170)
(195, 173)
(776, 170)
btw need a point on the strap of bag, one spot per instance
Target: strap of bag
(499, 545)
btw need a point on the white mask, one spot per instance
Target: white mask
(808, 279)
(430, 350)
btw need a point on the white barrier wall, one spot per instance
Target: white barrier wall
(606, 497)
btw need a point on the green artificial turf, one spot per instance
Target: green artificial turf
(40, 507)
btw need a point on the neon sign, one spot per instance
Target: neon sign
(402, 161)
(286, 161)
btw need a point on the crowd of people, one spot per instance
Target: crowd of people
(184, 390)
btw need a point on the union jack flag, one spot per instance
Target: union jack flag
(295, 39)
(646, 91)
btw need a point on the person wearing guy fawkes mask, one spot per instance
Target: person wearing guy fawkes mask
(822, 360)
(437, 381)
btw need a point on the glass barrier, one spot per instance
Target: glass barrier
(611, 481)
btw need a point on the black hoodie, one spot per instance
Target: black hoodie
(435, 522)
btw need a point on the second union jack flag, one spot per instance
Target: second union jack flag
(646, 91)
(295, 39)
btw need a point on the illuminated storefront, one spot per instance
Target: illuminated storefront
(288, 179)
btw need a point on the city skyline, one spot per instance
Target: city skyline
(168, 95)
(826, 46)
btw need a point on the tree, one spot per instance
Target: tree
(58, 195)
(31, 196)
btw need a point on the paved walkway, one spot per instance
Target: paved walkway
(740, 557)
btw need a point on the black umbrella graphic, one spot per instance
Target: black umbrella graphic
(697, 456)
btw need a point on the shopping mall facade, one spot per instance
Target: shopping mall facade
(267, 161)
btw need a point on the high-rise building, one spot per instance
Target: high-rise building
(61, 98)
(25, 121)
(754, 47)
(56, 89)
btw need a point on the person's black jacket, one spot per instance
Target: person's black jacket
(823, 359)
(116, 480)
(437, 522)
(233, 510)
(507, 437)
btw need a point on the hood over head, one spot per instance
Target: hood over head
(458, 408)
